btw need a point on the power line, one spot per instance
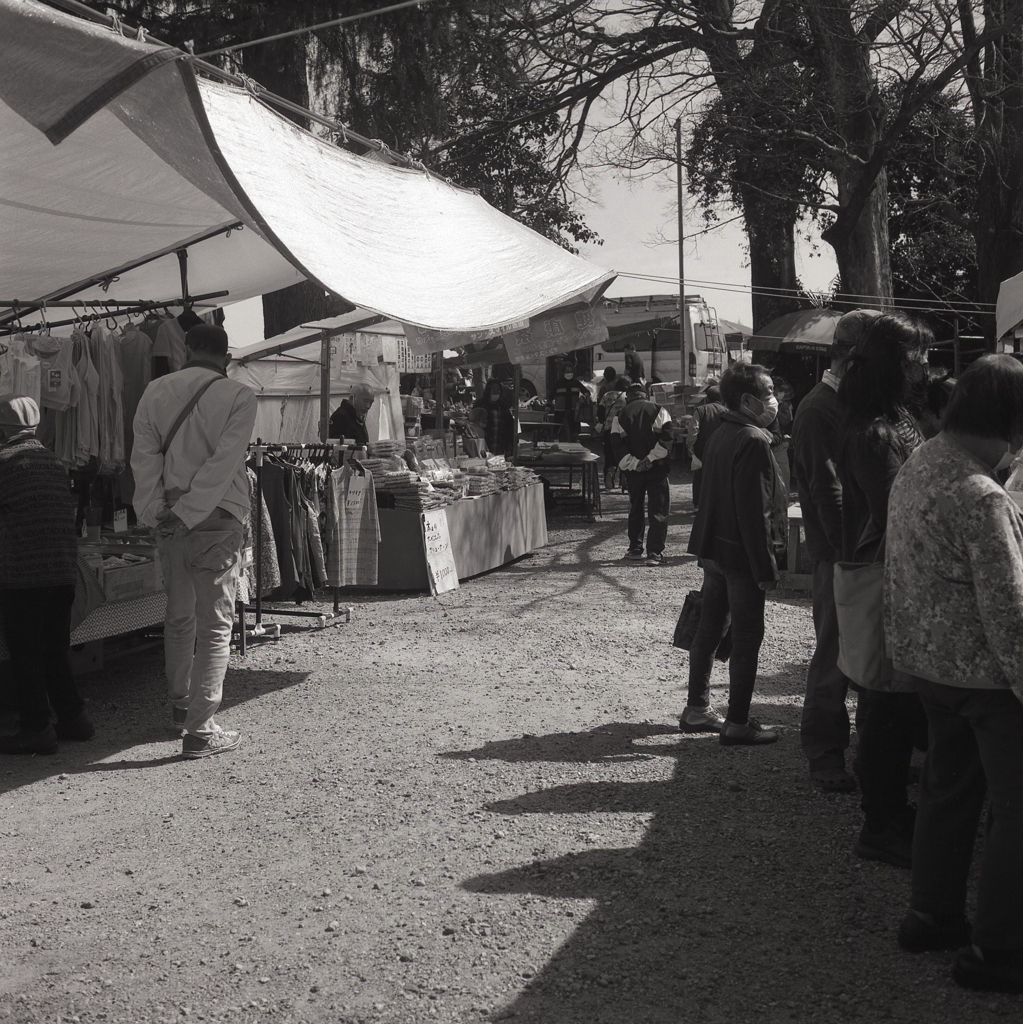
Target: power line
(765, 290)
(316, 28)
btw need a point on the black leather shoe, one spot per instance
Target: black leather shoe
(996, 970)
(24, 742)
(917, 936)
(892, 845)
(78, 728)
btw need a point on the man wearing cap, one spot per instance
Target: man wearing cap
(824, 730)
(349, 418)
(38, 572)
(192, 430)
(641, 438)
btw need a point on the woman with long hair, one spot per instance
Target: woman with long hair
(883, 380)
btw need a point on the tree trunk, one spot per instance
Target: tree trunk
(861, 247)
(999, 223)
(770, 228)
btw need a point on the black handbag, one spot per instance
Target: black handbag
(688, 623)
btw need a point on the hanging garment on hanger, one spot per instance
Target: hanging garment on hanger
(278, 506)
(170, 343)
(269, 572)
(111, 411)
(25, 369)
(354, 538)
(87, 430)
(135, 352)
(57, 370)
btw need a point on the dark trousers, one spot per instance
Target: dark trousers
(37, 628)
(697, 480)
(727, 591)
(976, 750)
(824, 728)
(889, 727)
(652, 489)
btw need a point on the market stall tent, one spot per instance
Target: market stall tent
(1009, 310)
(285, 373)
(117, 155)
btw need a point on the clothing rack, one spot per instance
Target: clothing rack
(12, 326)
(259, 449)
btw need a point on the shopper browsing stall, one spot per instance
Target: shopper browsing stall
(192, 430)
(641, 436)
(38, 571)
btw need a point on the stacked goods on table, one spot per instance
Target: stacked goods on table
(413, 492)
(386, 447)
(511, 478)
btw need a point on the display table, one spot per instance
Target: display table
(486, 532)
(570, 470)
(116, 617)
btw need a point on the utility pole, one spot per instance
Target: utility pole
(681, 252)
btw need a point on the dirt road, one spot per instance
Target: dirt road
(467, 808)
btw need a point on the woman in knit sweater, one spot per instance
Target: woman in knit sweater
(877, 435)
(954, 619)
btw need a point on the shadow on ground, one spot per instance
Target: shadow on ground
(743, 874)
(128, 702)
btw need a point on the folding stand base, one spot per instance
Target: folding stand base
(272, 630)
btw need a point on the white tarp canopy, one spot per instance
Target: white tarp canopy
(115, 152)
(1009, 311)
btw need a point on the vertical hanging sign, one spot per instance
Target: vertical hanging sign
(440, 562)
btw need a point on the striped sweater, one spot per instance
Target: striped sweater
(38, 547)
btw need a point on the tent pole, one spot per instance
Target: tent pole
(324, 385)
(680, 197)
(439, 396)
(517, 388)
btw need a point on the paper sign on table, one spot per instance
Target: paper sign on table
(121, 520)
(440, 562)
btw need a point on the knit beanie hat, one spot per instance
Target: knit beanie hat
(19, 412)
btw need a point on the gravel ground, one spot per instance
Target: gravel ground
(467, 808)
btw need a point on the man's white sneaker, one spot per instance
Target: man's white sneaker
(217, 742)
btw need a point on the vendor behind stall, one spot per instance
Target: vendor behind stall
(498, 420)
(38, 572)
(349, 419)
(571, 398)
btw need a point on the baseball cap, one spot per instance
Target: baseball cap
(850, 328)
(18, 411)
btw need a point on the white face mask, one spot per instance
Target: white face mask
(763, 412)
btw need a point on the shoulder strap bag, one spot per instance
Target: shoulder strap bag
(184, 414)
(859, 603)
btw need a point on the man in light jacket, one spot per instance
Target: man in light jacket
(824, 729)
(191, 484)
(641, 438)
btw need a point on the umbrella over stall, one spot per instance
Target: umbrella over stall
(807, 330)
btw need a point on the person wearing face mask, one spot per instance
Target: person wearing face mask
(570, 397)
(739, 536)
(954, 611)
(877, 435)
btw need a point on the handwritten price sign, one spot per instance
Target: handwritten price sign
(440, 562)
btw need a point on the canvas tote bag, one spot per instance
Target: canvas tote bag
(859, 602)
